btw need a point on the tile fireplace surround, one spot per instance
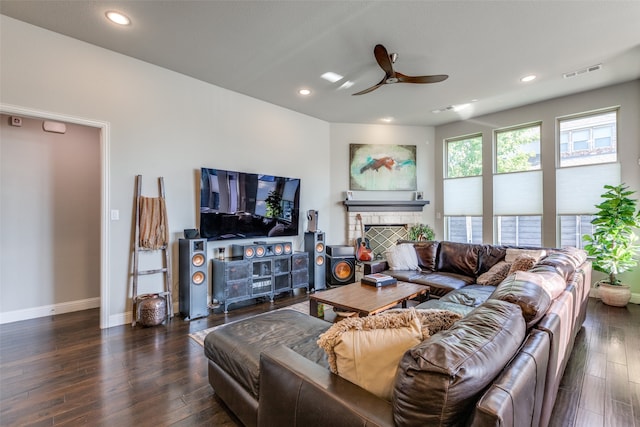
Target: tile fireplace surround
(382, 229)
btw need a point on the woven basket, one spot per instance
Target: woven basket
(614, 295)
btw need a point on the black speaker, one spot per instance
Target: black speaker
(193, 284)
(314, 245)
(341, 250)
(282, 248)
(261, 249)
(340, 270)
(245, 251)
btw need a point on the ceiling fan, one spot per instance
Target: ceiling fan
(386, 61)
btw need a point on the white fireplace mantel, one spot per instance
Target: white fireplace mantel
(385, 205)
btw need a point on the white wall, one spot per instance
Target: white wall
(49, 217)
(161, 124)
(626, 96)
(344, 134)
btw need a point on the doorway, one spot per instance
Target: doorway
(64, 247)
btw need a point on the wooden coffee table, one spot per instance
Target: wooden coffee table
(365, 299)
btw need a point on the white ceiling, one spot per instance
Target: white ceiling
(270, 49)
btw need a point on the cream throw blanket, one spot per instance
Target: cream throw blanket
(154, 233)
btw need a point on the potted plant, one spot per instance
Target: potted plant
(613, 242)
(421, 232)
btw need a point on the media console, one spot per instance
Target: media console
(238, 278)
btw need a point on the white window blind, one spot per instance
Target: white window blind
(463, 196)
(578, 189)
(517, 193)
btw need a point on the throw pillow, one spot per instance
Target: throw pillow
(495, 275)
(513, 253)
(402, 257)
(524, 262)
(367, 350)
(427, 253)
(433, 320)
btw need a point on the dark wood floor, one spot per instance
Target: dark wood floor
(64, 370)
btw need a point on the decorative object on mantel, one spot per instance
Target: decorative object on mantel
(420, 232)
(613, 242)
(382, 167)
(385, 205)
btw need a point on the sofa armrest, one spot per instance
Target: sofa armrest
(295, 391)
(371, 267)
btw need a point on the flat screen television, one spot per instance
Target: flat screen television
(239, 205)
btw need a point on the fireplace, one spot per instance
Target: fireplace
(383, 229)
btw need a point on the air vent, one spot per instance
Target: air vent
(582, 71)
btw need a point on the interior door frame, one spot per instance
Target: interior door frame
(105, 142)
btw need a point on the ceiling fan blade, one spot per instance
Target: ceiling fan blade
(371, 89)
(421, 79)
(382, 56)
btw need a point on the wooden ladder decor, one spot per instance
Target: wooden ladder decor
(151, 234)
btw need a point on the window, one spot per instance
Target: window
(588, 139)
(572, 228)
(517, 187)
(464, 229)
(463, 189)
(584, 167)
(518, 149)
(519, 230)
(464, 157)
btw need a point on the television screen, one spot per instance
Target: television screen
(238, 205)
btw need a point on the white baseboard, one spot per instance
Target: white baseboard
(49, 310)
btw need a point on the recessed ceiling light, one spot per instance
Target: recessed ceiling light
(117, 18)
(387, 119)
(304, 92)
(528, 78)
(332, 77)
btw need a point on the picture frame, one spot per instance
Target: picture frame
(382, 167)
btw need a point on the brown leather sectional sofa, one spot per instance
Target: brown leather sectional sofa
(500, 365)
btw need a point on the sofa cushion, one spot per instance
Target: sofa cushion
(439, 283)
(427, 253)
(550, 281)
(564, 262)
(404, 275)
(488, 256)
(366, 350)
(472, 295)
(523, 262)
(495, 274)
(402, 257)
(513, 253)
(440, 379)
(523, 288)
(459, 258)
